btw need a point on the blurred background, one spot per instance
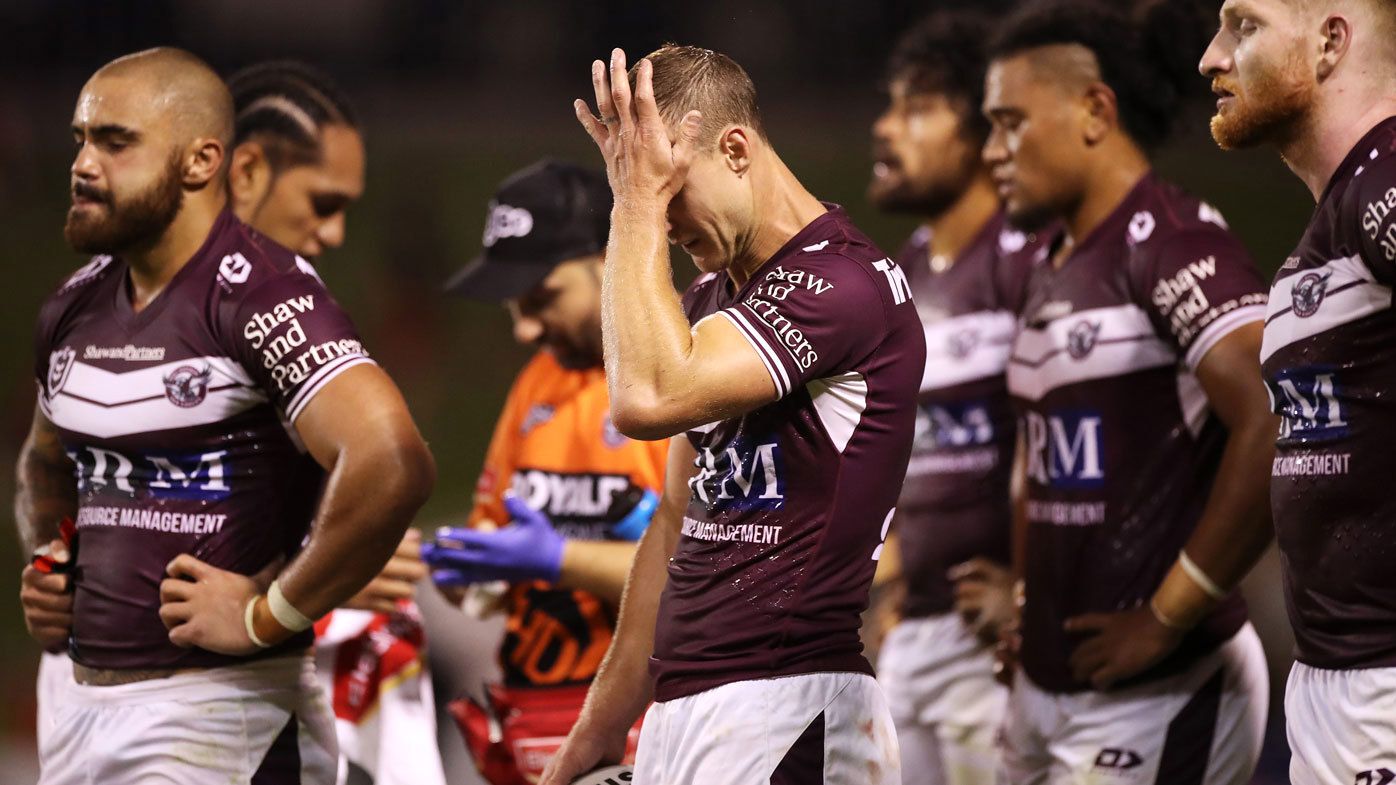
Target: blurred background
(453, 97)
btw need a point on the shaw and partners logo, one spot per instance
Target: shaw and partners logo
(1309, 401)
(742, 474)
(1065, 449)
(198, 476)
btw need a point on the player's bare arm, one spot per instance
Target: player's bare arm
(380, 473)
(623, 686)
(663, 376)
(397, 580)
(45, 494)
(598, 567)
(1233, 532)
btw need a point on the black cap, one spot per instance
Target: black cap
(540, 216)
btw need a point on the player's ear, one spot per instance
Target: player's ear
(249, 175)
(1099, 112)
(1336, 35)
(203, 159)
(735, 147)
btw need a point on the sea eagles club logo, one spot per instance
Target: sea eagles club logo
(1308, 293)
(1081, 340)
(187, 386)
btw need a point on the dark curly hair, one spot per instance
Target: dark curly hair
(284, 104)
(1147, 52)
(946, 52)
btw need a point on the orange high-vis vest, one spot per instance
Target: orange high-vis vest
(556, 448)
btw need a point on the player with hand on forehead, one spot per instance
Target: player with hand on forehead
(787, 374)
(1316, 79)
(966, 267)
(1146, 427)
(191, 493)
(574, 492)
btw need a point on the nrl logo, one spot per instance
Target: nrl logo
(1308, 293)
(1081, 340)
(961, 344)
(187, 386)
(60, 363)
(506, 221)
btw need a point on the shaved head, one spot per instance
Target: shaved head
(181, 87)
(152, 131)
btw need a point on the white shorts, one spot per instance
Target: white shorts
(811, 729)
(266, 719)
(939, 682)
(55, 674)
(1199, 727)
(1341, 725)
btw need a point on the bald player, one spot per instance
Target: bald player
(196, 380)
(1316, 79)
(791, 367)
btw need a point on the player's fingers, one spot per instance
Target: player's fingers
(176, 590)
(620, 91)
(401, 568)
(1086, 659)
(51, 591)
(47, 582)
(601, 85)
(1087, 622)
(36, 618)
(646, 109)
(184, 636)
(686, 143)
(186, 566)
(174, 614)
(389, 589)
(590, 124)
(411, 541)
(1105, 677)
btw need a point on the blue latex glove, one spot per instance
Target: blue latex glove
(527, 549)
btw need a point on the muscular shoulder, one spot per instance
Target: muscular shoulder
(76, 290)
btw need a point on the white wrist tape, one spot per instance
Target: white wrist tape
(1199, 577)
(251, 629)
(284, 612)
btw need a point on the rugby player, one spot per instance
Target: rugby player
(1317, 80)
(235, 334)
(966, 267)
(790, 367)
(582, 492)
(1147, 432)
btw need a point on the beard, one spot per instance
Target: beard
(930, 199)
(1270, 112)
(130, 223)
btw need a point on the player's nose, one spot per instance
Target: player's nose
(85, 164)
(1215, 60)
(331, 232)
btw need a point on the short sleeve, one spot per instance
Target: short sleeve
(1372, 217)
(815, 317)
(1201, 286)
(293, 339)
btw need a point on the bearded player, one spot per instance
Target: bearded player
(188, 481)
(1146, 428)
(966, 267)
(1317, 80)
(790, 367)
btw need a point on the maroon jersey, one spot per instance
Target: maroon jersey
(792, 500)
(1122, 447)
(1329, 360)
(955, 503)
(177, 418)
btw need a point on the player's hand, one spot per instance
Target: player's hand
(1008, 652)
(584, 750)
(47, 603)
(644, 166)
(204, 606)
(397, 580)
(1120, 645)
(528, 549)
(983, 597)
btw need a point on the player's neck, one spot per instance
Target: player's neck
(1315, 151)
(1108, 182)
(783, 208)
(955, 228)
(153, 267)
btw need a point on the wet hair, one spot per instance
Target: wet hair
(1147, 52)
(946, 53)
(284, 105)
(690, 77)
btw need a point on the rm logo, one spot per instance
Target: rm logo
(1064, 450)
(1310, 402)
